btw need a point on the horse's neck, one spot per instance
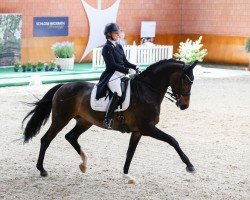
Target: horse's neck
(159, 80)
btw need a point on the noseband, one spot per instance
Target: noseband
(174, 97)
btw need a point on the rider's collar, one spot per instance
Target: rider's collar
(113, 42)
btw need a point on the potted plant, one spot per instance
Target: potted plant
(247, 48)
(33, 68)
(46, 67)
(59, 68)
(40, 66)
(52, 65)
(24, 68)
(28, 66)
(64, 53)
(16, 66)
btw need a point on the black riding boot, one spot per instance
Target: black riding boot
(111, 108)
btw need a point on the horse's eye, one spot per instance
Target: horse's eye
(186, 82)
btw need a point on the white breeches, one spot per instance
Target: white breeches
(114, 83)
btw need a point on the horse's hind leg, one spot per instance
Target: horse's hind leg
(72, 137)
(54, 129)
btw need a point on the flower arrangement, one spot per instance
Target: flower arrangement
(190, 51)
(63, 49)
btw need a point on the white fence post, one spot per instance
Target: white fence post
(138, 55)
(94, 59)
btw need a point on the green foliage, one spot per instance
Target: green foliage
(10, 32)
(247, 45)
(17, 65)
(40, 65)
(29, 66)
(10, 27)
(63, 49)
(52, 64)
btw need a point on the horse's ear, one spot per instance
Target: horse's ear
(190, 67)
(194, 64)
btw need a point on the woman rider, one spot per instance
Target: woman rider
(117, 66)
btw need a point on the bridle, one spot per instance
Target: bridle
(173, 96)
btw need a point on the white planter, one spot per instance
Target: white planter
(66, 63)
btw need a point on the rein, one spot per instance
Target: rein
(180, 86)
(117, 78)
(172, 96)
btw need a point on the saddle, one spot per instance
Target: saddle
(102, 103)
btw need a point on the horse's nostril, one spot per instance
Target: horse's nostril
(183, 107)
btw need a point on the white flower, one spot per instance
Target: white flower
(190, 51)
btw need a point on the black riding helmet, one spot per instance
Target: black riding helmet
(111, 27)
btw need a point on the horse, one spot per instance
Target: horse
(148, 89)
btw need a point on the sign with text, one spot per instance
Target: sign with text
(50, 26)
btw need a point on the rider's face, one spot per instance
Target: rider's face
(115, 35)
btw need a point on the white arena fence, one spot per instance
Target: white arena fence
(138, 55)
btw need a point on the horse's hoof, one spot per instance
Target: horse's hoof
(190, 169)
(129, 178)
(83, 168)
(132, 182)
(44, 173)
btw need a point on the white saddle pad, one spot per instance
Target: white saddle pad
(102, 104)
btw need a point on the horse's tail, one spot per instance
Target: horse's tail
(40, 114)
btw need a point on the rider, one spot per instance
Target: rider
(116, 67)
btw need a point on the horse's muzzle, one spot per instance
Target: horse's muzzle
(182, 106)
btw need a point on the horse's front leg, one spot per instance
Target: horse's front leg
(134, 140)
(156, 133)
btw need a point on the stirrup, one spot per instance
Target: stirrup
(107, 123)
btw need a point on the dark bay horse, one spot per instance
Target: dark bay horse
(72, 100)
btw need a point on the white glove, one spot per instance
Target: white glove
(131, 71)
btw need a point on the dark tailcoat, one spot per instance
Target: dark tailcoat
(115, 60)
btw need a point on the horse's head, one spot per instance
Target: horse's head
(181, 82)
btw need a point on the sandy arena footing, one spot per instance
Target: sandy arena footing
(213, 132)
